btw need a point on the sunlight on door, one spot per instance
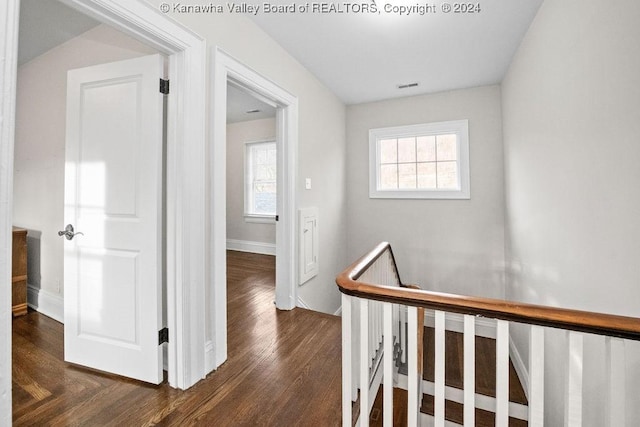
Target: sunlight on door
(113, 194)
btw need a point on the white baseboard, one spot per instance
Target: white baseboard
(428, 420)
(483, 402)
(300, 303)
(209, 357)
(165, 356)
(47, 303)
(455, 322)
(253, 247)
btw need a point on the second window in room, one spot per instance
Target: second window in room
(260, 181)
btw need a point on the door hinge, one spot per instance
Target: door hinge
(163, 336)
(164, 86)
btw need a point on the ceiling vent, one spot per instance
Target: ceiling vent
(408, 85)
(252, 111)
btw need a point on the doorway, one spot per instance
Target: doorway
(186, 172)
(72, 169)
(39, 152)
(225, 71)
(251, 178)
(251, 200)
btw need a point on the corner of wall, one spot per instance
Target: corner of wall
(47, 303)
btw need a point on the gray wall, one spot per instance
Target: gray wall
(571, 103)
(321, 138)
(237, 135)
(443, 245)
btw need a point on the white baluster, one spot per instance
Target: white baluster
(403, 333)
(371, 328)
(413, 407)
(372, 333)
(573, 390)
(439, 392)
(469, 371)
(378, 325)
(536, 377)
(502, 373)
(616, 398)
(355, 347)
(376, 330)
(364, 362)
(346, 360)
(396, 319)
(388, 270)
(387, 400)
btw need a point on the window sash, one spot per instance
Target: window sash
(420, 172)
(260, 173)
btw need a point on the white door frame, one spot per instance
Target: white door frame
(223, 69)
(185, 214)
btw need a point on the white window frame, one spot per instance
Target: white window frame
(249, 216)
(458, 127)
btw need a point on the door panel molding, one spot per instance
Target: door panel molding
(113, 193)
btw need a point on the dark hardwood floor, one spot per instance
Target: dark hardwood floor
(283, 368)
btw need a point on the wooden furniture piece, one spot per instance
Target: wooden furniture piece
(19, 272)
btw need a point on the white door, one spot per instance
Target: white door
(113, 196)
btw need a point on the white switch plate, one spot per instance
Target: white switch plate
(307, 183)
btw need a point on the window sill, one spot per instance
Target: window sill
(260, 219)
(421, 194)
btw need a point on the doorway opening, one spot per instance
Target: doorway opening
(229, 72)
(91, 180)
(251, 203)
(185, 174)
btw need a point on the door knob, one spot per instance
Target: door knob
(68, 232)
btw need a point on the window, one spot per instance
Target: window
(427, 161)
(260, 181)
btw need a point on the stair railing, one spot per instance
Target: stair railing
(364, 348)
(362, 290)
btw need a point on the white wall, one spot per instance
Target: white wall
(38, 203)
(237, 135)
(444, 245)
(321, 137)
(571, 103)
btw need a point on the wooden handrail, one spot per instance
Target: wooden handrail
(574, 320)
(360, 266)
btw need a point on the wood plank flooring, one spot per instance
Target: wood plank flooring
(283, 368)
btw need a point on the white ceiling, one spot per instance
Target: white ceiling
(360, 57)
(44, 24)
(363, 57)
(242, 106)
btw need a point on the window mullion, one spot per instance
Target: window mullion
(436, 151)
(258, 159)
(438, 178)
(415, 151)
